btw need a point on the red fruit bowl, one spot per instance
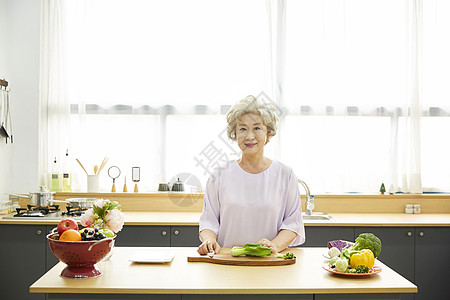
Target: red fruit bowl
(80, 257)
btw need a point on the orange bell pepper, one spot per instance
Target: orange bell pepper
(363, 257)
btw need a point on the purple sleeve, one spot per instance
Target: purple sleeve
(209, 219)
(293, 213)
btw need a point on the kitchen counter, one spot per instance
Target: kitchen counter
(306, 276)
(340, 219)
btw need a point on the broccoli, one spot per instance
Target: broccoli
(286, 256)
(359, 269)
(251, 250)
(368, 241)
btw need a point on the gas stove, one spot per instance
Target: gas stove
(46, 212)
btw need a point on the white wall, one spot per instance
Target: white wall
(5, 150)
(19, 64)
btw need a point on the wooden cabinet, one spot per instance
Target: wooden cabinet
(22, 253)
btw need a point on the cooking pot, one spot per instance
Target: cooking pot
(41, 198)
(78, 202)
(178, 186)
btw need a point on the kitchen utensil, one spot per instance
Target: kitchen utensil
(136, 177)
(125, 189)
(95, 169)
(78, 202)
(93, 183)
(80, 257)
(178, 186)
(114, 173)
(102, 165)
(4, 113)
(228, 259)
(81, 165)
(163, 187)
(41, 198)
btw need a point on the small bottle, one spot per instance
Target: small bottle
(417, 209)
(55, 177)
(66, 175)
(409, 209)
(310, 205)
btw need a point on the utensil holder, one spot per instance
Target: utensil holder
(93, 183)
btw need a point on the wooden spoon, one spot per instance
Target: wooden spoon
(81, 166)
(95, 169)
(105, 160)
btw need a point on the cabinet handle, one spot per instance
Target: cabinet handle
(421, 233)
(176, 232)
(409, 233)
(38, 232)
(163, 233)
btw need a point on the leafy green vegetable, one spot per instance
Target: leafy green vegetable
(359, 269)
(250, 250)
(367, 241)
(286, 255)
(341, 265)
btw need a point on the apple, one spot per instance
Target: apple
(66, 224)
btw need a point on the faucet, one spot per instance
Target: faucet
(309, 199)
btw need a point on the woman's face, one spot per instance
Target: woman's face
(251, 134)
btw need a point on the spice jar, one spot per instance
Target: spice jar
(417, 209)
(409, 209)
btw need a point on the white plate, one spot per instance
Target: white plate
(152, 256)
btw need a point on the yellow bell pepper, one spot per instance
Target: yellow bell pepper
(364, 257)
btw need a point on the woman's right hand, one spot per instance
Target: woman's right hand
(208, 246)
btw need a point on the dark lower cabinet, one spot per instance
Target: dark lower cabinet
(184, 236)
(432, 262)
(158, 236)
(419, 254)
(22, 254)
(397, 250)
(143, 236)
(319, 236)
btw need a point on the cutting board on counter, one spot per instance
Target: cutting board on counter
(225, 258)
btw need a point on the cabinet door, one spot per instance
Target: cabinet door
(51, 259)
(319, 236)
(22, 254)
(143, 236)
(184, 236)
(432, 261)
(397, 250)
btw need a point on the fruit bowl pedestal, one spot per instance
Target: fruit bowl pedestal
(80, 257)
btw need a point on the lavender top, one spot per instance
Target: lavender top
(241, 207)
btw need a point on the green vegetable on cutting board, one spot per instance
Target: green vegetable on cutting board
(286, 255)
(251, 250)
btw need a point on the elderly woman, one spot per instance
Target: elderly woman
(252, 199)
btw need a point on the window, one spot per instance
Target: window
(361, 84)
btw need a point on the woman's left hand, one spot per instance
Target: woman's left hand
(265, 242)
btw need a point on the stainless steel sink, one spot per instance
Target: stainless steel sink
(318, 216)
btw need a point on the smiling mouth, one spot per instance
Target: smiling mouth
(250, 145)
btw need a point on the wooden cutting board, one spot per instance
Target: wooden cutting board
(225, 258)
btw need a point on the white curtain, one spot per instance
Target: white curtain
(411, 156)
(54, 133)
(137, 81)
